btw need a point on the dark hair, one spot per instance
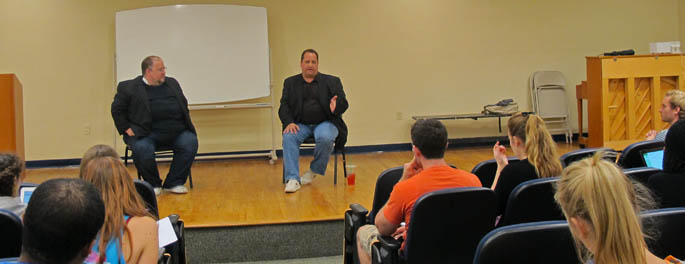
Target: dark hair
(147, 62)
(309, 51)
(430, 137)
(62, 218)
(674, 151)
(11, 167)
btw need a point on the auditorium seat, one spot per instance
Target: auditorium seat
(668, 228)
(532, 201)
(631, 157)
(445, 227)
(11, 229)
(532, 243)
(486, 170)
(576, 155)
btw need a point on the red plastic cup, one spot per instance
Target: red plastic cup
(351, 174)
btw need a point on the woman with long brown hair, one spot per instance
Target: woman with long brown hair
(129, 234)
(533, 145)
(602, 205)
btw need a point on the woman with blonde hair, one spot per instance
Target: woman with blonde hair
(97, 151)
(533, 145)
(602, 205)
(129, 234)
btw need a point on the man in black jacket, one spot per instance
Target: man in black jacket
(151, 111)
(312, 105)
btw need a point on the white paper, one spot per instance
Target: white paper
(166, 232)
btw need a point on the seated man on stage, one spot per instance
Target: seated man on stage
(151, 111)
(671, 111)
(312, 105)
(425, 173)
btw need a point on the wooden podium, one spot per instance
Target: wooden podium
(624, 96)
(11, 115)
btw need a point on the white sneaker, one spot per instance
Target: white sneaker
(308, 177)
(158, 190)
(292, 186)
(180, 189)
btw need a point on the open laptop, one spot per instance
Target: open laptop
(653, 158)
(25, 194)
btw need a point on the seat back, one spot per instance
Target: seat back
(11, 229)
(447, 224)
(669, 227)
(640, 174)
(631, 157)
(532, 201)
(486, 170)
(384, 184)
(535, 243)
(576, 155)
(147, 192)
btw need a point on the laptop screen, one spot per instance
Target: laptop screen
(25, 194)
(654, 158)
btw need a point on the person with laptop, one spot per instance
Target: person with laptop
(668, 185)
(11, 176)
(671, 106)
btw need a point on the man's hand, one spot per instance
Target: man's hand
(410, 169)
(399, 232)
(651, 135)
(291, 128)
(333, 103)
(500, 153)
(130, 133)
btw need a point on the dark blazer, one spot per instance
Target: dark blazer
(329, 86)
(131, 107)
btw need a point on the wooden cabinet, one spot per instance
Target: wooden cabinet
(624, 96)
(11, 115)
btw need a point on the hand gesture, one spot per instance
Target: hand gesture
(651, 135)
(333, 103)
(130, 133)
(500, 154)
(291, 128)
(399, 232)
(411, 168)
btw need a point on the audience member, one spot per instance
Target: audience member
(11, 176)
(130, 231)
(96, 151)
(668, 185)
(601, 205)
(533, 145)
(671, 106)
(61, 222)
(425, 173)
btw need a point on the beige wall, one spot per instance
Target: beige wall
(394, 56)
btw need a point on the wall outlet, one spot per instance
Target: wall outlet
(86, 130)
(398, 115)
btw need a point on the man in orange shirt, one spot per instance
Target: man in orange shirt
(425, 173)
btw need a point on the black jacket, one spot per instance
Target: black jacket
(131, 108)
(329, 86)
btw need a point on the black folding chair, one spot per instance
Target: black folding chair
(310, 143)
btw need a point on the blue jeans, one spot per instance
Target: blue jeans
(184, 146)
(324, 136)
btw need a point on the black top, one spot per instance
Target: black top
(312, 111)
(669, 189)
(167, 116)
(511, 176)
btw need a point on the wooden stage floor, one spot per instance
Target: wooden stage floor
(238, 192)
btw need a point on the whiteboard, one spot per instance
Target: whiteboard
(218, 53)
